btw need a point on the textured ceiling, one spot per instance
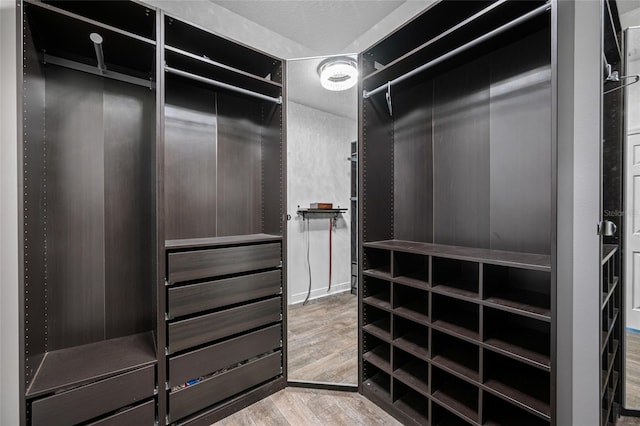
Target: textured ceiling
(625, 6)
(324, 26)
(303, 87)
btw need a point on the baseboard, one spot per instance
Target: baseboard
(320, 292)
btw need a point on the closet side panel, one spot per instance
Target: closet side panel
(272, 195)
(34, 209)
(190, 162)
(461, 151)
(129, 116)
(413, 164)
(75, 215)
(377, 170)
(521, 146)
(239, 166)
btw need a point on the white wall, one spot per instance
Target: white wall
(9, 366)
(229, 24)
(578, 250)
(318, 145)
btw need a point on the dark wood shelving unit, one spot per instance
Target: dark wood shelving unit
(460, 236)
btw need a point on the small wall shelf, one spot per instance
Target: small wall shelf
(313, 212)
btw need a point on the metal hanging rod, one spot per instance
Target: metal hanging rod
(97, 44)
(227, 86)
(532, 14)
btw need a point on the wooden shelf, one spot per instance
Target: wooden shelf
(409, 343)
(460, 399)
(414, 374)
(374, 385)
(538, 262)
(412, 282)
(380, 329)
(605, 334)
(379, 301)
(457, 290)
(608, 250)
(536, 305)
(79, 365)
(611, 288)
(408, 404)
(522, 344)
(380, 357)
(193, 243)
(412, 312)
(462, 325)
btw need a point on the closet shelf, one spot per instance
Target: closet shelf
(379, 356)
(456, 291)
(384, 274)
(522, 347)
(608, 250)
(412, 311)
(79, 365)
(538, 262)
(412, 282)
(532, 402)
(373, 386)
(458, 326)
(461, 401)
(455, 366)
(409, 343)
(410, 373)
(380, 329)
(379, 301)
(610, 290)
(513, 301)
(192, 243)
(605, 334)
(408, 405)
(611, 358)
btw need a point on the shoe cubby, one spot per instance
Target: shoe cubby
(411, 269)
(459, 396)
(377, 262)
(376, 384)
(412, 371)
(411, 337)
(412, 404)
(442, 417)
(377, 352)
(456, 278)
(411, 303)
(376, 322)
(376, 292)
(518, 383)
(522, 291)
(500, 413)
(522, 338)
(455, 356)
(455, 317)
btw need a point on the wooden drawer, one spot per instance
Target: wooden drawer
(142, 415)
(193, 265)
(222, 386)
(192, 365)
(206, 328)
(86, 402)
(214, 294)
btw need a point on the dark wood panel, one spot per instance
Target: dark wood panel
(140, 415)
(195, 331)
(190, 157)
(520, 129)
(75, 208)
(83, 364)
(129, 207)
(215, 389)
(273, 166)
(239, 165)
(377, 171)
(34, 206)
(213, 294)
(215, 357)
(461, 152)
(86, 402)
(222, 261)
(413, 164)
(219, 241)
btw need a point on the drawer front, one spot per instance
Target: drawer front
(193, 265)
(86, 402)
(195, 331)
(215, 389)
(207, 360)
(142, 415)
(214, 294)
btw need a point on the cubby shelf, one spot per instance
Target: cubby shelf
(380, 357)
(378, 301)
(461, 400)
(414, 374)
(514, 302)
(408, 343)
(380, 329)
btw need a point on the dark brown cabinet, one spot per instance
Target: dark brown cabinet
(456, 191)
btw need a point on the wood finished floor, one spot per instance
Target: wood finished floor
(298, 406)
(323, 340)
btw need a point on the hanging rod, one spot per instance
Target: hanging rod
(532, 14)
(77, 66)
(622, 77)
(227, 86)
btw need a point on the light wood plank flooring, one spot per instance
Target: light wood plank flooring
(323, 340)
(298, 406)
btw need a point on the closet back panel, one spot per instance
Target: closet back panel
(190, 161)
(99, 208)
(272, 169)
(413, 164)
(34, 204)
(377, 171)
(461, 151)
(239, 166)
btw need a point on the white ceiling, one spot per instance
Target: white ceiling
(625, 6)
(325, 26)
(303, 87)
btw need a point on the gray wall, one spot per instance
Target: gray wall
(9, 366)
(578, 268)
(318, 144)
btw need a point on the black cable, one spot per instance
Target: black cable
(308, 264)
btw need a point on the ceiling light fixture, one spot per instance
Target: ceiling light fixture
(339, 73)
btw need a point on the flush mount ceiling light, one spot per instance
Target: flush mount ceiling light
(338, 73)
